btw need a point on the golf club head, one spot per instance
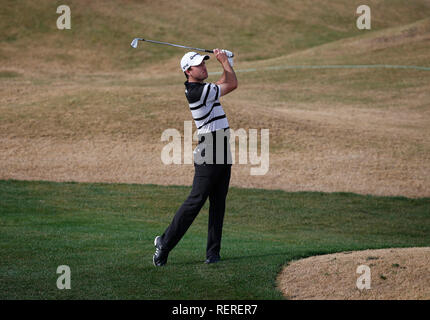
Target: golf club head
(134, 42)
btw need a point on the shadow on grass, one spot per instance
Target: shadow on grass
(231, 259)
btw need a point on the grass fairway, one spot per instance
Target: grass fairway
(105, 232)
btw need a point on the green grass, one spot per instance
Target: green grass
(9, 74)
(105, 232)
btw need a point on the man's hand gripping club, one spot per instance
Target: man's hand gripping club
(228, 80)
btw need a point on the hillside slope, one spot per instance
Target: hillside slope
(82, 105)
(255, 30)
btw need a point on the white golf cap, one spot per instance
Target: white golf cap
(191, 59)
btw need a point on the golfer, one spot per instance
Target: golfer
(212, 157)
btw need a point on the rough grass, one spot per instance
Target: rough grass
(361, 130)
(102, 30)
(82, 105)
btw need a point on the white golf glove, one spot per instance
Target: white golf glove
(229, 55)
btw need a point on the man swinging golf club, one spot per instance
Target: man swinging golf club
(212, 157)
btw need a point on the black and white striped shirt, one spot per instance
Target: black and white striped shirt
(207, 112)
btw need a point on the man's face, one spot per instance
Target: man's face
(199, 72)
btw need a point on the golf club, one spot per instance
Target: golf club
(135, 42)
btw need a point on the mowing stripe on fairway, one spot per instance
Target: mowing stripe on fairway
(364, 66)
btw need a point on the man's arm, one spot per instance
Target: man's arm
(228, 80)
(222, 79)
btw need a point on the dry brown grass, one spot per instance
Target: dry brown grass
(108, 134)
(402, 45)
(72, 114)
(396, 274)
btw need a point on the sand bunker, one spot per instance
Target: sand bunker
(395, 274)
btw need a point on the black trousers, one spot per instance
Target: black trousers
(210, 181)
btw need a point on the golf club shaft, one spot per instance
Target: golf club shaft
(177, 45)
(229, 53)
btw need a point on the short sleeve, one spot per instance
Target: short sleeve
(203, 93)
(214, 92)
(194, 92)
